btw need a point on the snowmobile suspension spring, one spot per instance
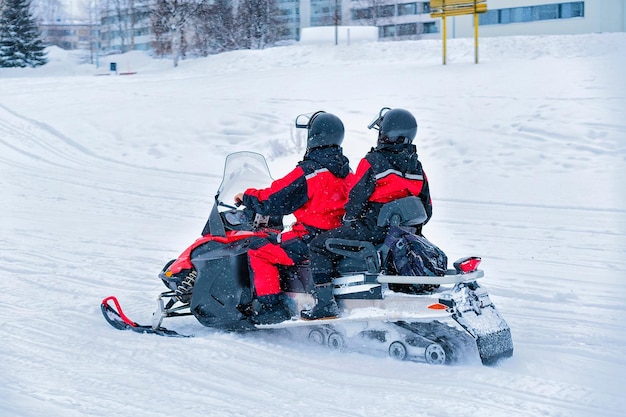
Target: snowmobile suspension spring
(183, 291)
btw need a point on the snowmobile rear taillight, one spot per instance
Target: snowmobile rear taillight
(467, 265)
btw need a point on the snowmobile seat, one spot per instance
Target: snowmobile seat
(364, 257)
(363, 260)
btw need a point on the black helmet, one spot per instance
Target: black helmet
(324, 129)
(394, 126)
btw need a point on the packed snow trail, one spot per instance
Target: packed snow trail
(103, 181)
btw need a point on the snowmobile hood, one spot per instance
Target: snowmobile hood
(331, 158)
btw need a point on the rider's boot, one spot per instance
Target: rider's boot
(326, 306)
(272, 310)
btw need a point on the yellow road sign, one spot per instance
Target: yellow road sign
(461, 10)
(451, 3)
(441, 8)
(445, 8)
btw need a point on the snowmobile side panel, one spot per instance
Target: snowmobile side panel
(204, 244)
(222, 284)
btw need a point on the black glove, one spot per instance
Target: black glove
(272, 236)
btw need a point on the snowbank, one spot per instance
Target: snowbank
(344, 34)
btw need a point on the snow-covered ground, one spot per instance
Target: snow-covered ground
(105, 178)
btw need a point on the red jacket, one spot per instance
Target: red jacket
(315, 191)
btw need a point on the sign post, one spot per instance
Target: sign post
(444, 8)
(475, 38)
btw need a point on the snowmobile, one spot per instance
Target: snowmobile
(434, 319)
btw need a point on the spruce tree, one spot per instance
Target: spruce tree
(20, 43)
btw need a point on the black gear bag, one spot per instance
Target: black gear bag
(414, 255)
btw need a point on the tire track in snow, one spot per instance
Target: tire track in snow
(34, 142)
(38, 142)
(54, 162)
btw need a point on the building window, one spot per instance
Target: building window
(387, 31)
(546, 12)
(429, 27)
(407, 29)
(407, 9)
(324, 13)
(521, 14)
(358, 14)
(533, 13)
(387, 10)
(489, 18)
(504, 14)
(570, 10)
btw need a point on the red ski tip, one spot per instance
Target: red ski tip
(117, 310)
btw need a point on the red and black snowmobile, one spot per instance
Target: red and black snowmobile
(434, 319)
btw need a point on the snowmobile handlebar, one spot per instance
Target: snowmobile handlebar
(238, 203)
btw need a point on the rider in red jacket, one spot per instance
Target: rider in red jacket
(315, 192)
(388, 172)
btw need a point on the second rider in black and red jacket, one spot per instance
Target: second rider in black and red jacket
(315, 192)
(388, 172)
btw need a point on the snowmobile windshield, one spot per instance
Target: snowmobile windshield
(243, 170)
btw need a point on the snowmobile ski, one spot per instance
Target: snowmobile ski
(116, 318)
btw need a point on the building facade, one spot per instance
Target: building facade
(289, 19)
(69, 35)
(541, 17)
(122, 29)
(125, 26)
(395, 19)
(399, 20)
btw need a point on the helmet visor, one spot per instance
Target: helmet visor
(376, 122)
(304, 121)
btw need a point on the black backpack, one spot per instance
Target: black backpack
(413, 255)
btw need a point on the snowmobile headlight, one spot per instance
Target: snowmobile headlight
(168, 273)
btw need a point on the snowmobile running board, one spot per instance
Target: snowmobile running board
(352, 318)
